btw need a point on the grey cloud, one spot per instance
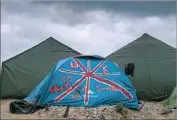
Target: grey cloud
(73, 13)
(142, 8)
(25, 24)
(55, 13)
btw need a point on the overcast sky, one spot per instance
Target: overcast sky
(88, 27)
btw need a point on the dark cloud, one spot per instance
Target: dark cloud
(139, 8)
(73, 12)
(87, 27)
(58, 13)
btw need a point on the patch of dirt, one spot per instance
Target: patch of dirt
(149, 111)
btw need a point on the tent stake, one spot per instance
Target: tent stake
(66, 112)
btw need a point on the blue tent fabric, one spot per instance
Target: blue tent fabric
(87, 81)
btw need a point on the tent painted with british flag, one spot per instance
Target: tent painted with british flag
(87, 81)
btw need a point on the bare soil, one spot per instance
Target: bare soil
(149, 111)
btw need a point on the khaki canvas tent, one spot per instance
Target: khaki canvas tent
(20, 74)
(171, 102)
(151, 66)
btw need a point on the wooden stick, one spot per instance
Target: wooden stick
(167, 111)
(103, 109)
(66, 112)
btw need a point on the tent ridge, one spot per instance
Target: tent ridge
(141, 38)
(50, 38)
(64, 45)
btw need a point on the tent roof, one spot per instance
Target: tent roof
(50, 39)
(93, 56)
(143, 44)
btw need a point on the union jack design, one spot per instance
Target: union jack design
(87, 73)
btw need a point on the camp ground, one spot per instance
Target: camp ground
(126, 84)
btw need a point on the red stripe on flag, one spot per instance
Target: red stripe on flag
(70, 89)
(125, 92)
(80, 64)
(97, 67)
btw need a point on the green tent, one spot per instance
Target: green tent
(171, 102)
(155, 66)
(20, 74)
